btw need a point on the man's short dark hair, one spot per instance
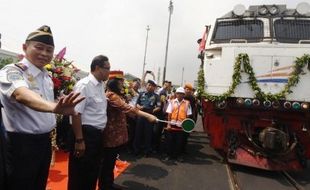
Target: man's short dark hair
(99, 60)
(136, 80)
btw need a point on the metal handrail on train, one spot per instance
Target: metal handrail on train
(238, 40)
(301, 41)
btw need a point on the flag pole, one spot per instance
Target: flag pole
(145, 48)
(167, 43)
(202, 45)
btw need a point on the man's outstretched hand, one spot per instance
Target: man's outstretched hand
(67, 103)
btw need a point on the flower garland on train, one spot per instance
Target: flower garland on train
(201, 82)
(243, 60)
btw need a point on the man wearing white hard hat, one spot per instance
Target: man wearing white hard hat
(178, 110)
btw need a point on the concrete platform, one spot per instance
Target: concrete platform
(202, 169)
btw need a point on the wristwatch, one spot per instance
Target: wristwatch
(80, 140)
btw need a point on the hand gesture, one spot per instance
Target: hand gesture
(67, 103)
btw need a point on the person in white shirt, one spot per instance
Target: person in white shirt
(88, 125)
(26, 93)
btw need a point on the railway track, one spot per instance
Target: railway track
(233, 180)
(291, 180)
(244, 178)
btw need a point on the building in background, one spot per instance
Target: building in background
(7, 57)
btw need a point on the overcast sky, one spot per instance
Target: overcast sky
(117, 28)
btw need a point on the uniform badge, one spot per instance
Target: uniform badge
(30, 78)
(152, 98)
(32, 82)
(13, 75)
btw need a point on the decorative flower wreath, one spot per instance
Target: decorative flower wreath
(63, 74)
(243, 59)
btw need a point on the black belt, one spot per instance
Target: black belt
(27, 136)
(92, 128)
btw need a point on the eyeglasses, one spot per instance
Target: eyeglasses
(106, 68)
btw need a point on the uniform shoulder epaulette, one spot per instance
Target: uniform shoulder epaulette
(21, 66)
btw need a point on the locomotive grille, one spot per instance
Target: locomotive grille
(292, 31)
(251, 30)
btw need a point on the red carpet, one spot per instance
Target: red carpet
(58, 174)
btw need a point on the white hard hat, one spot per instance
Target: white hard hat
(152, 82)
(180, 90)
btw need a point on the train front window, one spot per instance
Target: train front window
(250, 30)
(292, 31)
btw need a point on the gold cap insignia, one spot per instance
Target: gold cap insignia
(45, 29)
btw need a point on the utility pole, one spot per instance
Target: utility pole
(145, 48)
(182, 76)
(158, 75)
(168, 33)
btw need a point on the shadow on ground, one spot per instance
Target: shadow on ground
(148, 171)
(133, 185)
(196, 151)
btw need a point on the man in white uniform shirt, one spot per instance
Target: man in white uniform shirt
(28, 113)
(88, 126)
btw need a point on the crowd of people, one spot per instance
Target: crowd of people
(166, 103)
(106, 112)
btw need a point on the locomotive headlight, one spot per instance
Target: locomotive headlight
(287, 105)
(296, 105)
(274, 10)
(305, 106)
(267, 104)
(263, 10)
(303, 8)
(256, 102)
(221, 104)
(275, 104)
(239, 10)
(240, 101)
(248, 102)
